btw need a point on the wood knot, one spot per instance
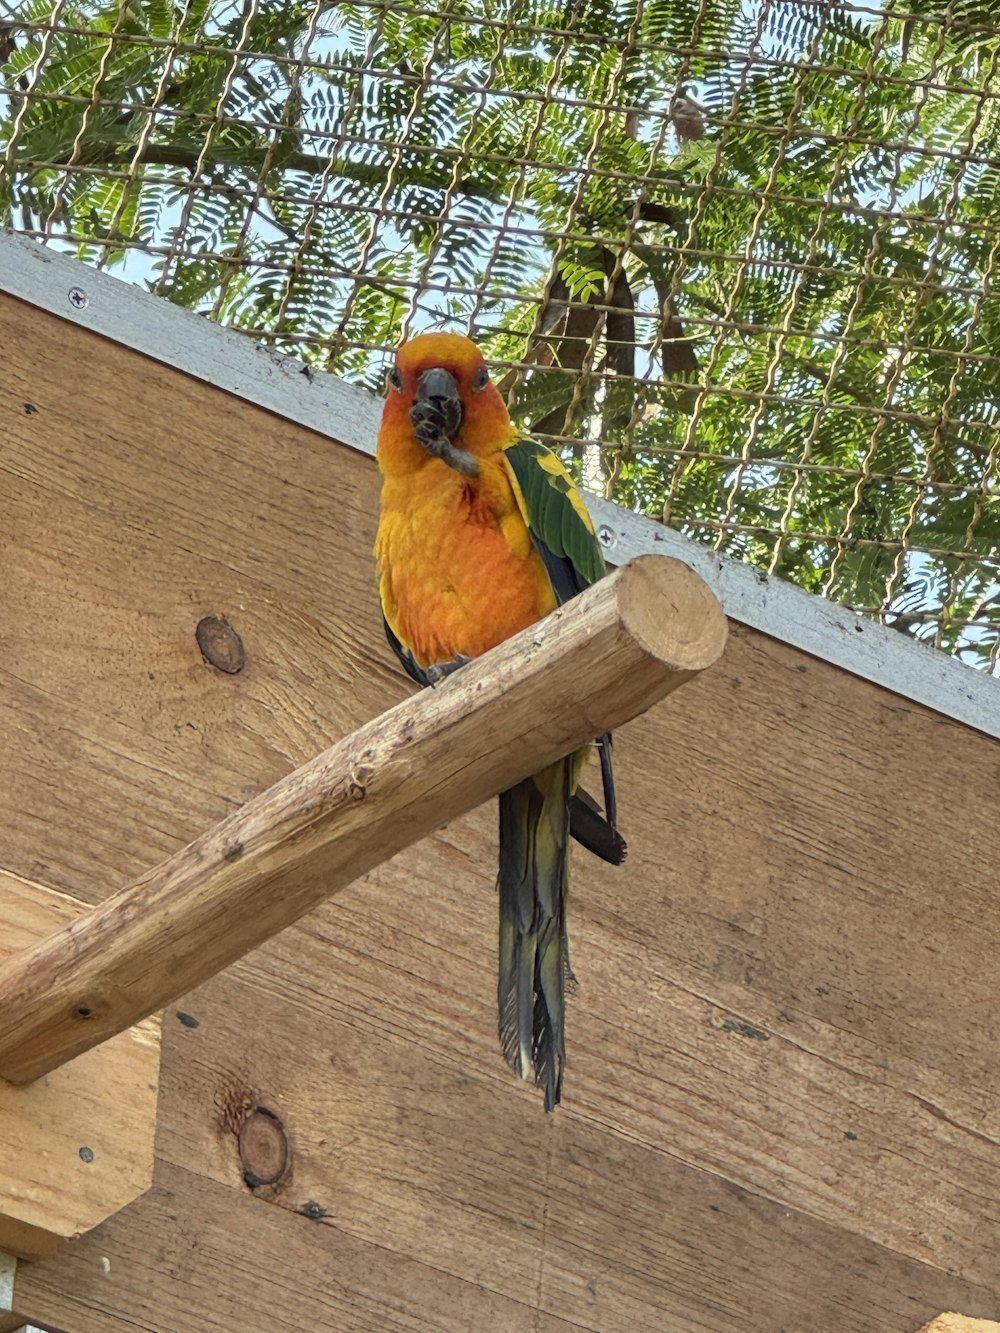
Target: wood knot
(361, 779)
(220, 645)
(263, 1148)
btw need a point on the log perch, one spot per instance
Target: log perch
(591, 666)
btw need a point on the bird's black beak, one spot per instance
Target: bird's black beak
(437, 412)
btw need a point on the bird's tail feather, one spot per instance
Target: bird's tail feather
(590, 827)
(534, 847)
(597, 830)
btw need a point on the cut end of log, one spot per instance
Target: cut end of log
(672, 612)
(960, 1323)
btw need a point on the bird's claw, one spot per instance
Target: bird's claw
(460, 459)
(434, 427)
(442, 670)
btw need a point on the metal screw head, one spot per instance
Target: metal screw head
(606, 536)
(78, 298)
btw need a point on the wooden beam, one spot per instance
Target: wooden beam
(592, 665)
(78, 1146)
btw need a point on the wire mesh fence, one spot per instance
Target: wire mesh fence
(736, 259)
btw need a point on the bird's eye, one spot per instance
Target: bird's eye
(480, 379)
(395, 378)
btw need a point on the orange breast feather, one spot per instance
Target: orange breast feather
(458, 572)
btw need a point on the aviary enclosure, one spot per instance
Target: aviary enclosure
(736, 262)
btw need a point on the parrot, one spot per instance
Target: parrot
(481, 533)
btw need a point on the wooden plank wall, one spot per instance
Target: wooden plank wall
(781, 1107)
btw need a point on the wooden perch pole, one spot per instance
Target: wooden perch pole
(592, 665)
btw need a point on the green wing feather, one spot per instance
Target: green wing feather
(556, 516)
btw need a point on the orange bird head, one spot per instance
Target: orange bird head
(441, 403)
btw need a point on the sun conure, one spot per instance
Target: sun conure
(482, 533)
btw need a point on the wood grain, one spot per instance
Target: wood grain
(586, 669)
(786, 1000)
(78, 1145)
(602, 1230)
(212, 1260)
(660, 1246)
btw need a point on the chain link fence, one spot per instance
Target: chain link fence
(735, 259)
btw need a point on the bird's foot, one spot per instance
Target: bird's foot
(442, 670)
